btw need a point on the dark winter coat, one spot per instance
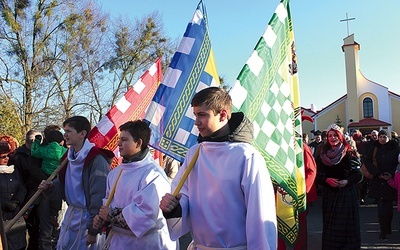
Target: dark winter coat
(387, 160)
(21, 162)
(347, 169)
(13, 190)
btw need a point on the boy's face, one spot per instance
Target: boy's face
(206, 122)
(72, 137)
(127, 146)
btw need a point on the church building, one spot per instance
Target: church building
(367, 105)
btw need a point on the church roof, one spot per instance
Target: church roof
(369, 122)
(336, 102)
(394, 94)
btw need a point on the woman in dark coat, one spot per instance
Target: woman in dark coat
(339, 172)
(382, 159)
(12, 194)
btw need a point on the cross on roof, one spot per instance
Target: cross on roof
(347, 20)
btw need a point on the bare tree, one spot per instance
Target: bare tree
(27, 30)
(60, 58)
(136, 47)
(82, 52)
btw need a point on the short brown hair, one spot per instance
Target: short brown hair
(79, 123)
(49, 128)
(139, 130)
(215, 98)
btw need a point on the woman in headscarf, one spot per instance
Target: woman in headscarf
(338, 173)
(381, 160)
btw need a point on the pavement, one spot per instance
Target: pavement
(368, 223)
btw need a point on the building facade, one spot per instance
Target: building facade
(367, 105)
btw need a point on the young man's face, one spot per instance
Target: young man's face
(127, 146)
(206, 122)
(383, 139)
(72, 137)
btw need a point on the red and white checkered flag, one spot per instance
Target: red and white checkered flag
(130, 107)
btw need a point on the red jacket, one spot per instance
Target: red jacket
(310, 169)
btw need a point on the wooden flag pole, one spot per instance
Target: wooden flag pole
(112, 192)
(186, 173)
(34, 197)
(161, 160)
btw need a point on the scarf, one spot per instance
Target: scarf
(6, 169)
(137, 157)
(333, 156)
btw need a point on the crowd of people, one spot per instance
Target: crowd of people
(226, 202)
(349, 169)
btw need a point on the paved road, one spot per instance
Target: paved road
(368, 222)
(369, 227)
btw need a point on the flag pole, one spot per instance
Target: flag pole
(186, 173)
(34, 197)
(112, 192)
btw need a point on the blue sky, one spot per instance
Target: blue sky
(235, 27)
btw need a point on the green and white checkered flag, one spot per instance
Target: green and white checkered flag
(267, 91)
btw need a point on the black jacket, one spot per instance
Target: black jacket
(387, 160)
(21, 162)
(347, 169)
(11, 189)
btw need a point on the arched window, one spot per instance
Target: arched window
(368, 108)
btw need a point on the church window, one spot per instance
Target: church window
(368, 109)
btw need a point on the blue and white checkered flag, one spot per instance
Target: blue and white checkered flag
(192, 69)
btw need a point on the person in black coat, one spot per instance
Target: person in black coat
(23, 162)
(382, 160)
(12, 195)
(316, 142)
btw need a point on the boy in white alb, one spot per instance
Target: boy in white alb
(137, 221)
(82, 183)
(228, 199)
